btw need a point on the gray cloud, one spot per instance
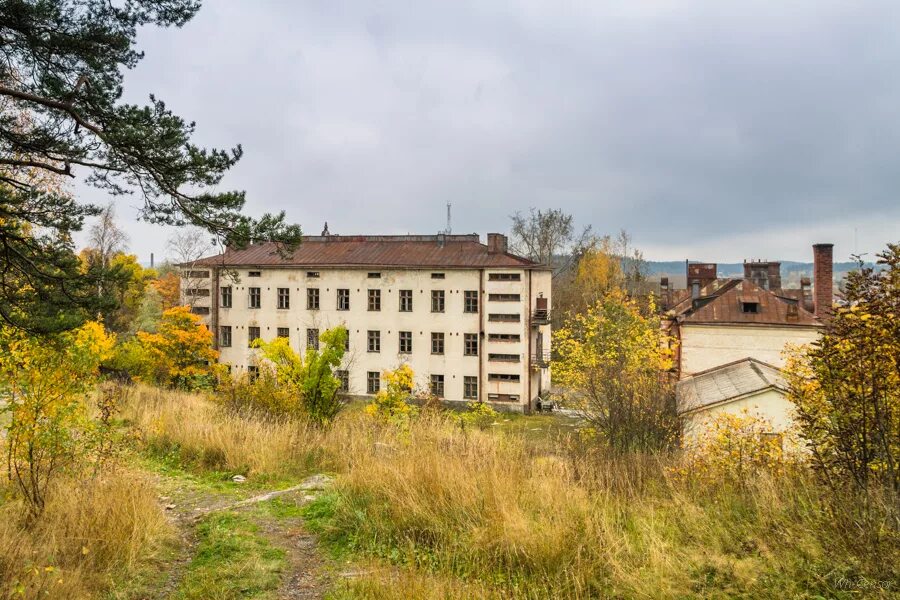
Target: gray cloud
(711, 130)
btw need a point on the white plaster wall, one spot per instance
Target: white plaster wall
(771, 405)
(706, 346)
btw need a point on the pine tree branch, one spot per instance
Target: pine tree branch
(66, 107)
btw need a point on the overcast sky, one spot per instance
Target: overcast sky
(710, 130)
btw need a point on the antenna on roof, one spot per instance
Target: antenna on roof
(448, 230)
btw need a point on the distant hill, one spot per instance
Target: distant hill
(791, 271)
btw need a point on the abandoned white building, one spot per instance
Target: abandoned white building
(471, 319)
(732, 334)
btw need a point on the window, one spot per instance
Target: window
(406, 342)
(312, 298)
(197, 292)
(504, 357)
(253, 372)
(405, 300)
(226, 297)
(437, 275)
(284, 298)
(504, 317)
(504, 337)
(347, 340)
(504, 297)
(200, 310)
(195, 274)
(470, 301)
(374, 275)
(502, 377)
(343, 299)
(254, 273)
(344, 377)
(470, 344)
(284, 332)
(373, 382)
(437, 300)
(374, 300)
(312, 338)
(225, 336)
(437, 385)
(252, 335)
(750, 307)
(505, 277)
(470, 387)
(373, 341)
(437, 343)
(254, 297)
(312, 274)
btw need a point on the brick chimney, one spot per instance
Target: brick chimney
(497, 243)
(823, 286)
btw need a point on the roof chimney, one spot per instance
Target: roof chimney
(823, 285)
(496, 243)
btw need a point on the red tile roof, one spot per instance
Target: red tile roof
(721, 302)
(420, 251)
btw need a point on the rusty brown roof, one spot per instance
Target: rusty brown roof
(411, 251)
(723, 305)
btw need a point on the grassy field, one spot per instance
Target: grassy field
(432, 510)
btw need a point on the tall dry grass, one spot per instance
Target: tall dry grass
(203, 434)
(486, 509)
(93, 533)
(477, 511)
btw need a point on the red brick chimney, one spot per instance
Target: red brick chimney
(497, 243)
(823, 273)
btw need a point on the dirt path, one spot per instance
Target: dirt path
(305, 577)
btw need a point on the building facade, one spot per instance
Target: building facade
(472, 320)
(731, 336)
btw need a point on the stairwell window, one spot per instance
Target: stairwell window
(503, 377)
(505, 277)
(504, 317)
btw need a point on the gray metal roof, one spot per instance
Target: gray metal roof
(727, 382)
